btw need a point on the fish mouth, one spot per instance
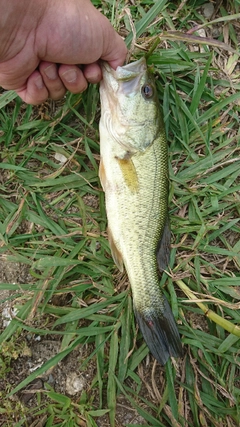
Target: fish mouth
(128, 77)
(131, 70)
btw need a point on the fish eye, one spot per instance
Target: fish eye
(147, 91)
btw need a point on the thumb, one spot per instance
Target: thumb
(114, 48)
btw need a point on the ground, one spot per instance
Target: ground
(71, 309)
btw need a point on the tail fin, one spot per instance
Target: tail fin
(160, 333)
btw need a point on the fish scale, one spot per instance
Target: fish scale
(134, 176)
(147, 213)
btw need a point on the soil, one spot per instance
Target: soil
(66, 377)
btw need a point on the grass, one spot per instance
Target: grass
(53, 220)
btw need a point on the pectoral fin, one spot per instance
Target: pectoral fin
(129, 174)
(116, 254)
(163, 248)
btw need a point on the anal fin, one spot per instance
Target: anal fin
(116, 254)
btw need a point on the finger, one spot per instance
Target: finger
(34, 91)
(92, 72)
(72, 78)
(114, 50)
(51, 79)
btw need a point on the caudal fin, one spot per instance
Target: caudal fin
(160, 333)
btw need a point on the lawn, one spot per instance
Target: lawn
(71, 353)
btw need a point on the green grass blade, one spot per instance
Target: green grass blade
(142, 24)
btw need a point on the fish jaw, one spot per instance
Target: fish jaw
(114, 80)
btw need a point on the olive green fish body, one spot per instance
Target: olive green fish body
(134, 176)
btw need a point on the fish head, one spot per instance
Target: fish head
(129, 106)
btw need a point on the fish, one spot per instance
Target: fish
(133, 172)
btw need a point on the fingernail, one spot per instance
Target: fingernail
(39, 82)
(50, 72)
(70, 76)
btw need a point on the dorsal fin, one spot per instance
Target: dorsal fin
(163, 248)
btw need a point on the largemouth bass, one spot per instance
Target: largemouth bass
(134, 175)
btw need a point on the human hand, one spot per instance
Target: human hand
(50, 46)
